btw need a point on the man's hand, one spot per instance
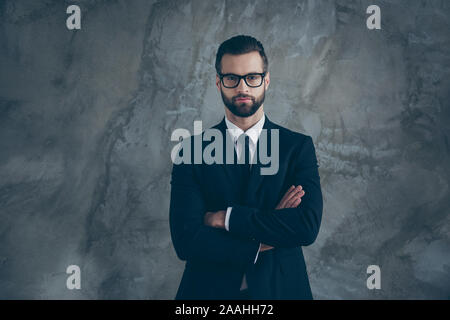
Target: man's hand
(215, 219)
(291, 199)
(264, 247)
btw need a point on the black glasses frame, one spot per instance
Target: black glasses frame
(221, 76)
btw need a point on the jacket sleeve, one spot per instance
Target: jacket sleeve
(289, 227)
(192, 239)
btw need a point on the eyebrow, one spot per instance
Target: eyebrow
(242, 74)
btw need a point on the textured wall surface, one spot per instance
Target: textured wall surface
(86, 118)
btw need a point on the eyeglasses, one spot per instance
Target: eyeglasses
(231, 80)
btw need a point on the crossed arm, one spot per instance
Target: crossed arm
(291, 199)
(199, 236)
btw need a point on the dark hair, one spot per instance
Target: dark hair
(239, 45)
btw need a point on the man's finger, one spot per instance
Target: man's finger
(293, 200)
(293, 192)
(298, 191)
(297, 202)
(289, 194)
(282, 202)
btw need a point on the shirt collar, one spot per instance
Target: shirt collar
(253, 132)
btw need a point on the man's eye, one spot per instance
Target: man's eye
(251, 77)
(231, 78)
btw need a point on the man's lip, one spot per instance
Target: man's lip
(243, 99)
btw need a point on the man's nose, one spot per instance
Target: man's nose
(242, 86)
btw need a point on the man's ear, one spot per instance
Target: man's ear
(267, 80)
(217, 82)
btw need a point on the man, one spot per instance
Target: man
(241, 232)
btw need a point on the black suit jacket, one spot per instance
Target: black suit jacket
(216, 259)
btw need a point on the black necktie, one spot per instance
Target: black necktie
(246, 156)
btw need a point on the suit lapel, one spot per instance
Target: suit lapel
(256, 179)
(232, 171)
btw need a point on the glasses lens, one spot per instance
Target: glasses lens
(230, 81)
(254, 80)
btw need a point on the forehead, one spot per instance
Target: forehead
(242, 63)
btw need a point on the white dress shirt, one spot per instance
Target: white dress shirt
(253, 133)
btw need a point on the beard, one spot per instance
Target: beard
(242, 109)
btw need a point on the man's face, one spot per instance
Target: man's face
(243, 101)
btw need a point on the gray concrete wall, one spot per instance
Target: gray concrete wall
(86, 118)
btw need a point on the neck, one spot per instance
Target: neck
(242, 122)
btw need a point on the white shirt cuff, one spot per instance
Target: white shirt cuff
(227, 219)
(257, 254)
